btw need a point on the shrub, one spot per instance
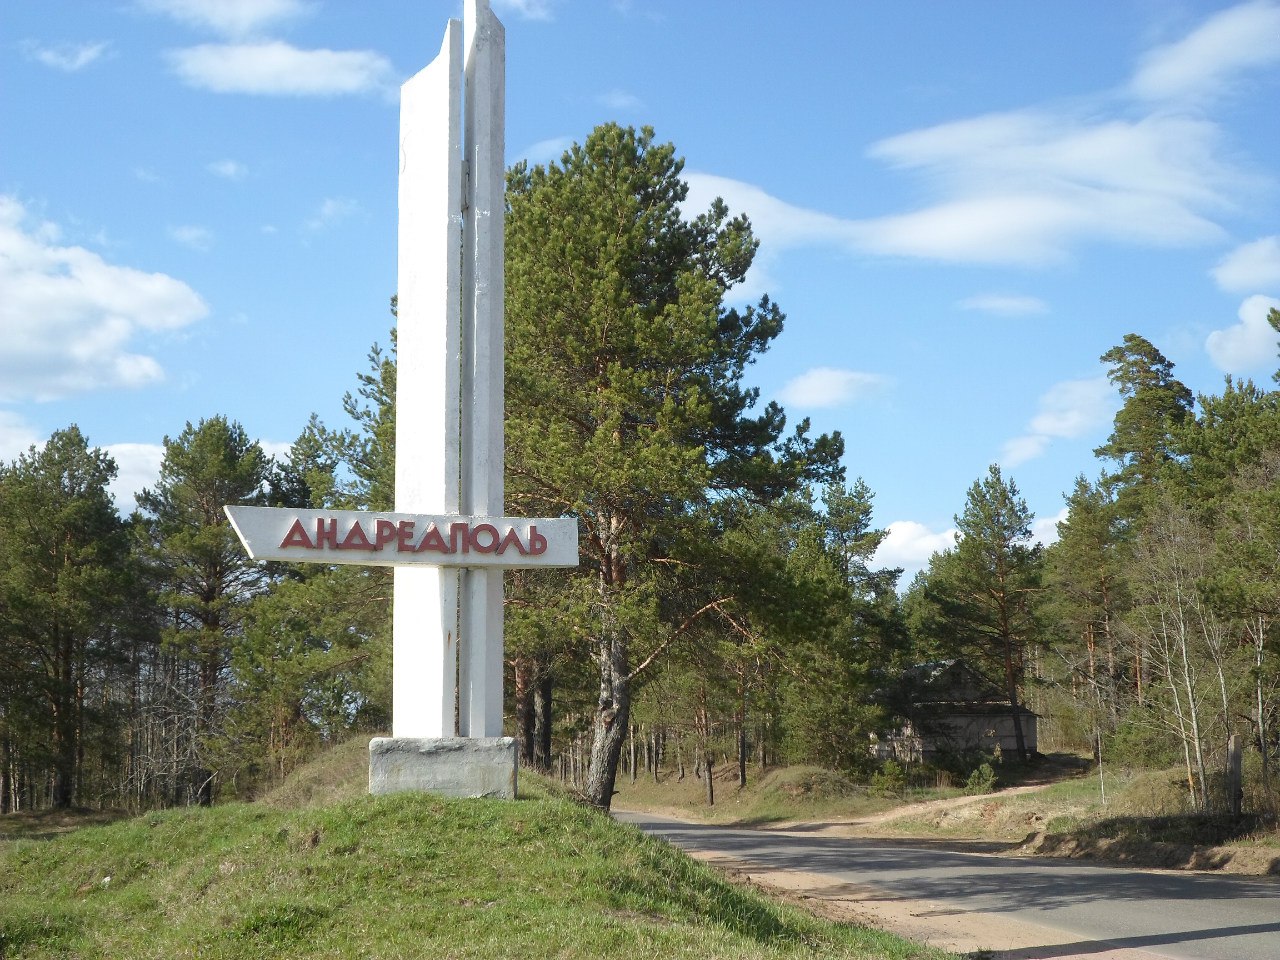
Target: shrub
(890, 779)
(981, 780)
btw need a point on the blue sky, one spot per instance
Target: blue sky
(961, 206)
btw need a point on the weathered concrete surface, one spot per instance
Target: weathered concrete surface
(450, 766)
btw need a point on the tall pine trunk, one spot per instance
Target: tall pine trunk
(609, 726)
(542, 691)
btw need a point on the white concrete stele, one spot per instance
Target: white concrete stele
(447, 539)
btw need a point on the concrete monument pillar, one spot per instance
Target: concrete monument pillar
(447, 539)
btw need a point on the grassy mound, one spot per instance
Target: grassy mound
(401, 876)
(809, 785)
(339, 774)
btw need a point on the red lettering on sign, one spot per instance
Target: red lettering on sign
(490, 531)
(386, 533)
(297, 537)
(432, 540)
(511, 539)
(454, 530)
(404, 536)
(537, 542)
(326, 536)
(355, 539)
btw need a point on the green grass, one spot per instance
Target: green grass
(401, 876)
(799, 793)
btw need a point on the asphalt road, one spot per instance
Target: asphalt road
(1177, 915)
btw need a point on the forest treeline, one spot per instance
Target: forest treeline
(727, 609)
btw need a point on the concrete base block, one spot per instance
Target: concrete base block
(450, 766)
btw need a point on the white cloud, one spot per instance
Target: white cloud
(546, 151)
(275, 67)
(67, 317)
(909, 545)
(197, 238)
(620, 100)
(1026, 186)
(332, 210)
(16, 436)
(1204, 62)
(230, 17)
(526, 9)
(66, 56)
(138, 466)
(1068, 410)
(228, 169)
(828, 387)
(1022, 189)
(1022, 449)
(1004, 303)
(775, 221)
(778, 225)
(1044, 530)
(1250, 267)
(1251, 343)
(277, 448)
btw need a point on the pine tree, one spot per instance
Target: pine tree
(64, 565)
(986, 590)
(1155, 405)
(205, 579)
(625, 406)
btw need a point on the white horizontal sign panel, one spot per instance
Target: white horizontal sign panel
(387, 539)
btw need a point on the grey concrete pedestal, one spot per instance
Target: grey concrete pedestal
(450, 766)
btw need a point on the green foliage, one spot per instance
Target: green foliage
(1087, 592)
(981, 780)
(204, 580)
(626, 409)
(1163, 581)
(979, 600)
(1155, 405)
(890, 779)
(1140, 741)
(67, 595)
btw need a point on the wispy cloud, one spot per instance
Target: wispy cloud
(228, 169)
(1141, 165)
(1025, 187)
(69, 57)
(1205, 62)
(545, 151)
(89, 313)
(780, 226)
(1068, 410)
(331, 210)
(276, 68)
(1006, 304)
(189, 235)
(230, 17)
(1250, 267)
(620, 100)
(526, 9)
(828, 387)
(1249, 345)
